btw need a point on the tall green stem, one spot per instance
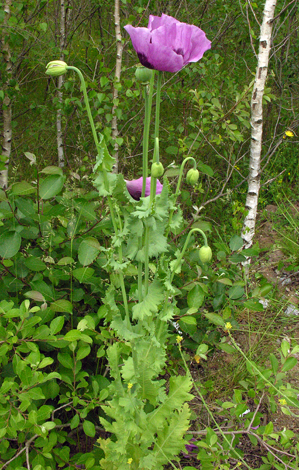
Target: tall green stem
(148, 97)
(153, 181)
(158, 101)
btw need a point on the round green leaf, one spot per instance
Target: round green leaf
(236, 243)
(35, 264)
(89, 428)
(52, 170)
(22, 188)
(88, 251)
(62, 306)
(51, 186)
(83, 274)
(10, 243)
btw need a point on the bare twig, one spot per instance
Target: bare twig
(282, 11)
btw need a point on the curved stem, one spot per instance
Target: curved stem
(177, 192)
(185, 247)
(91, 121)
(181, 173)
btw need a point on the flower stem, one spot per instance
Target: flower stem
(185, 247)
(148, 96)
(177, 191)
(153, 181)
(91, 121)
(158, 101)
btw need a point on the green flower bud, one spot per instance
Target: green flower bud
(192, 176)
(143, 74)
(56, 68)
(205, 254)
(157, 170)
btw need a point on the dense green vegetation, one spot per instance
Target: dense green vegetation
(106, 303)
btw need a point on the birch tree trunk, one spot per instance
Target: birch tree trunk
(248, 230)
(60, 150)
(7, 107)
(119, 51)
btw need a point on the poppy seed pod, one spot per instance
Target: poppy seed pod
(56, 68)
(205, 254)
(143, 74)
(192, 176)
(157, 170)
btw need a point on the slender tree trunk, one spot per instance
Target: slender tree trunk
(60, 150)
(248, 230)
(7, 107)
(119, 51)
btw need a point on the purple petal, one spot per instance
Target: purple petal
(135, 187)
(167, 44)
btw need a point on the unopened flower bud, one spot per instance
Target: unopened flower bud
(56, 68)
(157, 170)
(143, 74)
(192, 176)
(205, 254)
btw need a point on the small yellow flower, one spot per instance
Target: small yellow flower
(282, 401)
(228, 326)
(239, 464)
(130, 460)
(196, 358)
(289, 133)
(130, 385)
(179, 339)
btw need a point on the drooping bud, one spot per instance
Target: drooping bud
(205, 254)
(143, 74)
(192, 176)
(56, 68)
(157, 170)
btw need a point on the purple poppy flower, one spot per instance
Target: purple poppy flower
(135, 187)
(167, 44)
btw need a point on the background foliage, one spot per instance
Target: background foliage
(55, 232)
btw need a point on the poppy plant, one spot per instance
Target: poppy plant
(135, 187)
(167, 44)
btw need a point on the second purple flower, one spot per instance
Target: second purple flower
(135, 187)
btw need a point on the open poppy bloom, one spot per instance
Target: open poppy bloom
(167, 44)
(135, 187)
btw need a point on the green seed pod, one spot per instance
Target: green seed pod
(205, 254)
(192, 176)
(56, 68)
(143, 74)
(157, 170)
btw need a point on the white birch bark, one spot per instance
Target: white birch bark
(7, 107)
(119, 51)
(248, 230)
(61, 159)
